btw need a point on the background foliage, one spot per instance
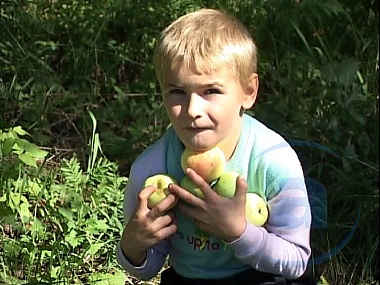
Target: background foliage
(60, 205)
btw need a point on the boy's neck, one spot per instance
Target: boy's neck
(228, 145)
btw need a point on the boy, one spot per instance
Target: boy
(205, 63)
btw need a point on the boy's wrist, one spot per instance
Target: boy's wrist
(238, 233)
(134, 256)
(135, 259)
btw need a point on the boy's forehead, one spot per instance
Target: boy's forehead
(200, 66)
(181, 73)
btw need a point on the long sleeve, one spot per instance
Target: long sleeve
(281, 247)
(155, 257)
(274, 171)
(151, 162)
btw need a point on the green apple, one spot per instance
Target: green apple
(209, 164)
(256, 209)
(226, 184)
(161, 183)
(190, 186)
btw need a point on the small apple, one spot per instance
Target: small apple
(226, 184)
(256, 209)
(209, 164)
(161, 183)
(190, 186)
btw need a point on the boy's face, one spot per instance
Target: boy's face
(205, 109)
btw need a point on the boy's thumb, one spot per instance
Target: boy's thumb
(241, 186)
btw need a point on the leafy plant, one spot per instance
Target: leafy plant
(318, 68)
(60, 224)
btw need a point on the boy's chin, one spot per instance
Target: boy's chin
(199, 142)
(198, 146)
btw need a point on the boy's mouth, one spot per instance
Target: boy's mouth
(196, 129)
(194, 126)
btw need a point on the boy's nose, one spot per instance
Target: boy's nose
(194, 109)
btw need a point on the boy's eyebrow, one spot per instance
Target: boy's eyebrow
(172, 85)
(208, 84)
(214, 83)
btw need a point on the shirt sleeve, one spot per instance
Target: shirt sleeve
(282, 246)
(148, 165)
(154, 261)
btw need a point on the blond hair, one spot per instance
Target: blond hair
(204, 41)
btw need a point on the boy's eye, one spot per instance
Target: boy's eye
(212, 91)
(176, 91)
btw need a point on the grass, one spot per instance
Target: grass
(76, 79)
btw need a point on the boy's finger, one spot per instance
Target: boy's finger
(241, 187)
(199, 181)
(166, 204)
(185, 195)
(162, 208)
(144, 195)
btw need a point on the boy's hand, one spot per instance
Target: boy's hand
(215, 214)
(147, 227)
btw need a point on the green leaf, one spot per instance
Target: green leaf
(14, 200)
(72, 239)
(38, 227)
(55, 271)
(7, 146)
(34, 187)
(3, 198)
(31, 148)
(12, 248)
(347, 71)
(24, 212)
(343, 73)
(28, 159)
(18, 130)
(119, 91)
(94, 226)
(102, 225)
(67, 213)
(118, 278)
(357, 117)
(94, 248)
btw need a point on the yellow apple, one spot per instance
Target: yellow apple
(190, 186)
(256, 209)
(161, 183)
(209, 164)
(226, 184)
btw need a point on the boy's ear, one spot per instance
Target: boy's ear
(250, 92)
